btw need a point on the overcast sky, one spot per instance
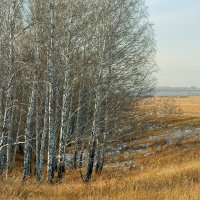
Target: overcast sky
(177, 28)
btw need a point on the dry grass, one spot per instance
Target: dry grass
(172, 173)
(189, 104)
(162, 176)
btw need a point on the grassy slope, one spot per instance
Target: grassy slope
(172, 173)
(164, 175)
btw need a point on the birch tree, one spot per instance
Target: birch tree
(51, 79)
(27, 146)
(11, 26)
(81, 66)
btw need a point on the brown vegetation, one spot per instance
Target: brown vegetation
(168, 174)
(161, 176)
(189, 105)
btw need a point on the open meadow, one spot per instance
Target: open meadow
(159, 164)
(189, 104)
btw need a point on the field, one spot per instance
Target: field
(189, 104)
(166, 168)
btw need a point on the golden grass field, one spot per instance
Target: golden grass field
(189, 104)
(173, 173)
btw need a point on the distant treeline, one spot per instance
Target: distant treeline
(166, 91)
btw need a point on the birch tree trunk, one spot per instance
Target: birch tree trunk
(64, 124)
(102, 148)
(87, 116)
(1, 124)
(45, 130)
(100, 164)
(9, 141)
(10, 82)
(95, 125)
(12, 60)
(17, 137)
(50, 167)
(5, 127)
(38, 137)
(77, 131)
(56, 122)
(66, 104)
(102, 144)
(51, 77)
(27, 145)
(37, 65)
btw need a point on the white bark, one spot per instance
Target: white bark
(45, 130)
(50, 169)
(64, 123)
(37, 66)
(17, 137)
(52, 84)
(9, 141)
(27, 146)
(95, 124)
(77, 131)
(9, 85)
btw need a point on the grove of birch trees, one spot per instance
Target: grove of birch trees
(70, 71)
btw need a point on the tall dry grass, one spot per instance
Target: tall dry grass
(190, 105)
(170, 174)
(167, 175)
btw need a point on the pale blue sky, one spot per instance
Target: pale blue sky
(177, 28)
